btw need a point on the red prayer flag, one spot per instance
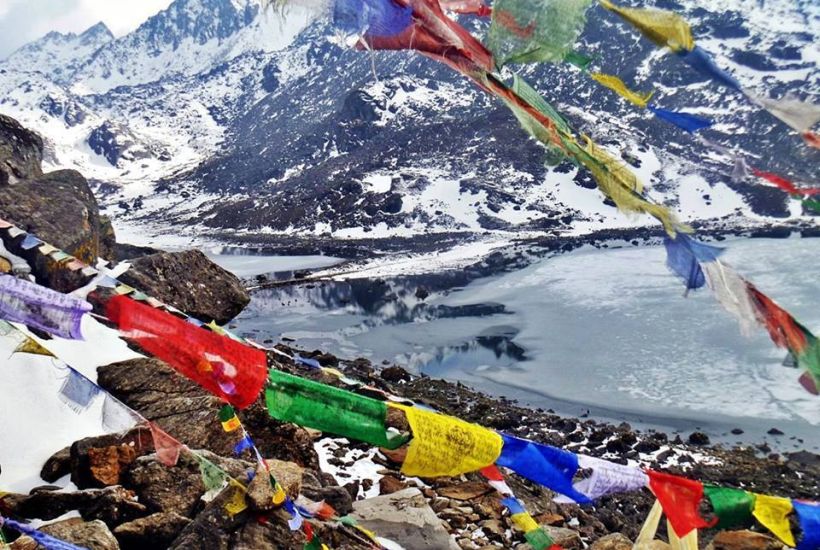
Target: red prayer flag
(812, 139)
(492, 473)
(784, 329)
(167, 448)
(680, 499)
(785, 184)
(226, 368)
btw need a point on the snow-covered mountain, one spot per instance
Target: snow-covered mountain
(221, 116)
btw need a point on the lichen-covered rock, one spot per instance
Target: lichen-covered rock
(287, 474)
(93, 535)
(615, 541)
(107, 463)
(744, 540)
(191, 282)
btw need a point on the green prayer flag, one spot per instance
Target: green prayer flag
(314, 544)
(578, 59)
(532, 31)
(539, 539)
(812, 204)
(321, 407)
(213, 477)
(809, 358)
(733, 507)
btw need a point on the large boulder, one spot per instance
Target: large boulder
(21, 152)
(155, 531)
(191, 282)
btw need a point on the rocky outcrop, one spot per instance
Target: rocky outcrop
(191, 282)
(21, 152)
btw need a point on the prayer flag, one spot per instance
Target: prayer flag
(680, 499)
(533, 31)
(78, 391)
(374, 17)
(312, 363)
(30, 241)
(230, 422)
(539, 539)
(467, 7)
(700, 60)
(226, 368)
(237, 504)
(524, 522)
(773, 513)
(808, 515)
(731, 292)
(42, 308)
(446, 446)
(798, 115)
(811, 139)
(662, 27)
(733, 507)
(684, 121)
(116, 417)
(578, 59)
(213, 477)
(166, 447)
(548, 466)
(311, 404)
(243, 445)
(684, 255)
(30, 345)
(617, 85)
(607, 478)
(785, 184)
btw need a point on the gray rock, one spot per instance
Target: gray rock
(57, 466)
(191, 282)
(155, 531)
(21, 152)
(212, 527)
(113, 505)
(405, 518)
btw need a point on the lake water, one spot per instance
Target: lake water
(604, 331)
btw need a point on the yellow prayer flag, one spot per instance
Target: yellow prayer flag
(33, 347)
(124, 290)
(773, 513)
(662, 27)
(237, 503)
(279, 495)
(524, 522)
(446, 446)
(46, 249)
(617, 85)
(231, 425)
(688, 542)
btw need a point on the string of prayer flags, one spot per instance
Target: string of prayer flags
(684, 255)
(548, 466)
(77, 391)
(39, 307)
(773, 513)
(700, 60)
(446, 446)
(375, 17)
(230, 422)
(607, 478)
(684, 121)
(617, 85)
(808, 517)
(533, 533)
(733, 507)
(532, 31)
(306, 403)
(680, 499)
(46, 541)
(664, 28)
(228, 369)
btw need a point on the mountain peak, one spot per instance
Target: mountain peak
(97, 32)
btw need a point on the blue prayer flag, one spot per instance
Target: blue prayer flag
(243, 445)
(30, 242)
(690, 123)
(808, 514)
(77, 391)
(46, 541)
(683, 257)
(374, 17)
(548, 466)
(312, 363)
(512, 504)
(700, 60)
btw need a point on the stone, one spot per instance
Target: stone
(614, 541)
(287, 474)
(81, 463)
(57, 466)
(154, 531)
(317, 488)
(744, 540)
(698, 438)
(566, 538)
(177, 489)
(211, 529)
(395, 374)
(465, 491)
(21, 151)
(189, 281)
(93, 535)
(273, 535)
(113, 505)
(106, 464)
(405, 518)
(390, 484)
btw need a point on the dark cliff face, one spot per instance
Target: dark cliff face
(21, 152)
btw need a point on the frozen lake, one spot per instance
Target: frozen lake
(607, 331)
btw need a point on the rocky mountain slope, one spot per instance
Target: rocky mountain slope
(218, 116)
